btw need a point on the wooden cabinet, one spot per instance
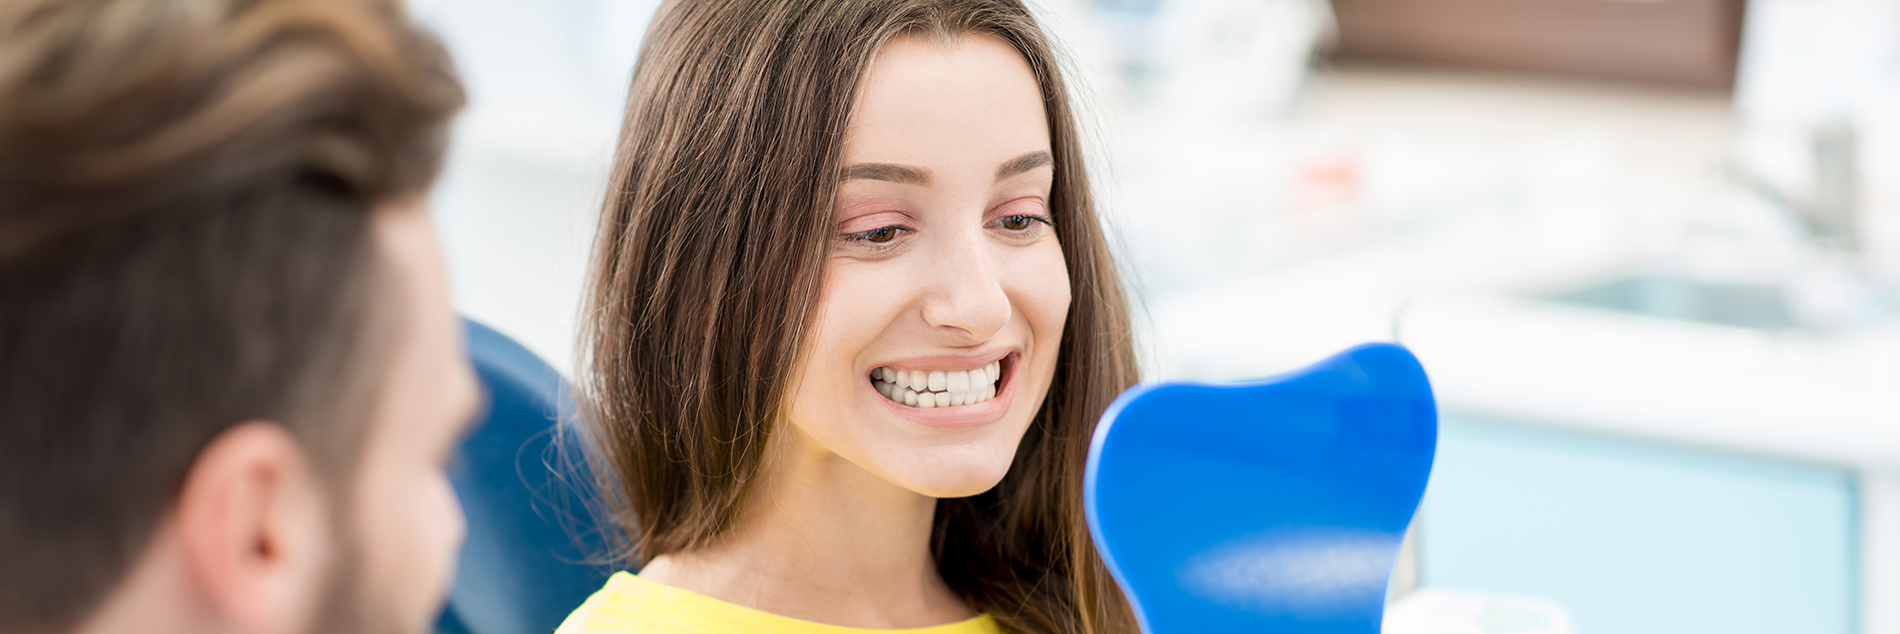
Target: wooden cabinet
(1683, 42)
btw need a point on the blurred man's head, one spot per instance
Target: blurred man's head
(229, 373)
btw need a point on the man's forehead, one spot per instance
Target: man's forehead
(430, 375)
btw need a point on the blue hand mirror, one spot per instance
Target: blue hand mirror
(1269, 506)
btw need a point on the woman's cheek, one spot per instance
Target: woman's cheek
(859, 301)
(1041, 281)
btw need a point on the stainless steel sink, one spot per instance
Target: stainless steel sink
(1758, 306)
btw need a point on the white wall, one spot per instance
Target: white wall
(519, 196)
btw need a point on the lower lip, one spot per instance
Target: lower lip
(959, 416)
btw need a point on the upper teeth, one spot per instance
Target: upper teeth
(938, 388)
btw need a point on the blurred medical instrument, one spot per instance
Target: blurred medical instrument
(1205, 58)
(1272, 506)
(531, 531)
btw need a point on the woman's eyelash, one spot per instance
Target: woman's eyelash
(883, 236)
(1026, 217)
(879, 237)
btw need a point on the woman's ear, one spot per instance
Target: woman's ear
(255, 529)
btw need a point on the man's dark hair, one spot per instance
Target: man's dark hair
(186, 196)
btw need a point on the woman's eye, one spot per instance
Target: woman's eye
(880, 235)
(1022, 222)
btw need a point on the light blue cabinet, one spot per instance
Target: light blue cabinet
(1639, 538)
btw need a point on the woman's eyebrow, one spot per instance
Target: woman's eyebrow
(907, 175)
(888, 172)
(1024, 163)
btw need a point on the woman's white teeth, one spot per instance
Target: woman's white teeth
(917, 388)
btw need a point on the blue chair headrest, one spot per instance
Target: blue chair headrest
(1273, 506)
(532, 542)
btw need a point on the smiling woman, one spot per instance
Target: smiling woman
(852, 322)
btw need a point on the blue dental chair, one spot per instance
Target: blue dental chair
(529, 558)
(1272, 506)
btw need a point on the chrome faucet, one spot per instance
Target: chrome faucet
(1830, 213)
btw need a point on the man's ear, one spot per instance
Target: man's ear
(255, 529)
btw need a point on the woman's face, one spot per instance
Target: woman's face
(945, 291)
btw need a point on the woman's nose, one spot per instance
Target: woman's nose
(966, 297)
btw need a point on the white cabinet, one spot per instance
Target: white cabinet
(1633, 537)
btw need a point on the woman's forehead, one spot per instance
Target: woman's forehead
(966, 102)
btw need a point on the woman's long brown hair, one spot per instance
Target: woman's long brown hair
(712, 250)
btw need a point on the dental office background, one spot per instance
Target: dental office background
(1659, 310)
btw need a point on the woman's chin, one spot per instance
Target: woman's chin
(949, 478)
(958, 489)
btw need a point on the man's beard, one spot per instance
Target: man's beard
(348, 605)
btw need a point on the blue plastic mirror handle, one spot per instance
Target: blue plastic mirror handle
(1269, 506)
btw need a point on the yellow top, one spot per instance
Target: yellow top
(631, 605)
